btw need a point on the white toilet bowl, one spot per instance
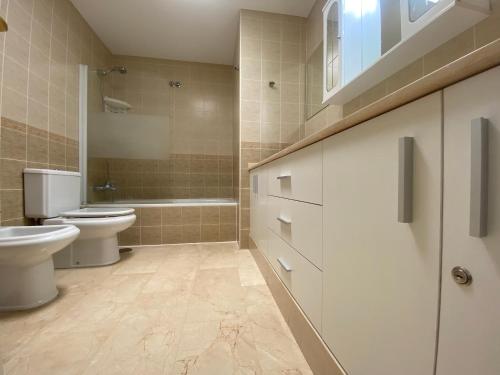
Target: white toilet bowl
(97, 244)
(26, 268)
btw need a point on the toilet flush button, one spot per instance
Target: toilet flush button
(461, 275)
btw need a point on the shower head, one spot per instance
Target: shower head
(119, 68)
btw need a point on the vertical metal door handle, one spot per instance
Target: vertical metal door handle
(283, 265)
(479, 178)
(405, 180)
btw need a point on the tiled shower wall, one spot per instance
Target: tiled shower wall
(39, 58)
(181, 176)
(271, 50)
(199, 120)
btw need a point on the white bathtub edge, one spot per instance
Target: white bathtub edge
(139, 205)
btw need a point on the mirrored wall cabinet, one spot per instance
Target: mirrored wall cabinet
(367, 41)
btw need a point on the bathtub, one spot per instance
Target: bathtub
(134, 203)
(173, 221)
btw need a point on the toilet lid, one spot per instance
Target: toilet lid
(98, 212)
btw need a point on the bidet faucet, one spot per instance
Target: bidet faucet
(108, 185)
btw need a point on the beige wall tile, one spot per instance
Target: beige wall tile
(151, 216)
(251, 27)
(271, 51)
(251, 48)
(17, 48)
(130, 237)
(271, 30)
(227, 232)
(37, 149)
(151, 235)
(210, 232)
(13, 144)
(172, 234)
(251, 69)
(210, 215)
(12, 173)
(14, 105)
(19, 19)
(450, 51)
(57, 153)
(11, 202)
(250, 111)
(191, 233)
(191, 215)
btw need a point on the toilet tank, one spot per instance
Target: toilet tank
(49, 192)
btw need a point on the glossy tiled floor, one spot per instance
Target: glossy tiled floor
(177, 309)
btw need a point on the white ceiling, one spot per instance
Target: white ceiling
(191, 30)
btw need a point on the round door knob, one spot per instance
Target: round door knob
(461, 275)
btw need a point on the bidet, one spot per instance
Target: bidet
(26, 267)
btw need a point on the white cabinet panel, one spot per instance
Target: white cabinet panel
(300, 225)
(258, 207)
(302, 278)
(298, 175)
(381, 277)
(469, 340)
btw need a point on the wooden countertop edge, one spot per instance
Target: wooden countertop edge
(471, 64)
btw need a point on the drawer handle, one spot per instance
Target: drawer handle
(284, 265)
(284, 221)
(284, 176)
(405, 180)
(479, 178)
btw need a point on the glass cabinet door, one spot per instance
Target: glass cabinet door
(417, 8)
(332, 47)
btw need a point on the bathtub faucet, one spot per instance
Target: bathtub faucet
(108, 185)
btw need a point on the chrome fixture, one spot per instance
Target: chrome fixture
(119, 68)
(283, 220)
(175, 84)
(108, 186)
(284, 265)
(461, 275)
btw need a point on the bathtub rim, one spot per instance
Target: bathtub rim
(177, 204)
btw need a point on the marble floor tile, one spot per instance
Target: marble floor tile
(176, 309)
(138, 266)
(249, 271)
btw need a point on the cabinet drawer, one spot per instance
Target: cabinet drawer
(301, 277)
(298, 175)
(300, 225)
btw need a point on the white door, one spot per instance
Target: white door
(381, 276)
(469, 339)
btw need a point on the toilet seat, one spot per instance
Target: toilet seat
(97, 212)
(92, 227)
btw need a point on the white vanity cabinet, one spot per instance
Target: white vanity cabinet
(406, 279)
(381, 276)
(469, 339)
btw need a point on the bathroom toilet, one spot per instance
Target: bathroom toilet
(26, 268)
(54, 197)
